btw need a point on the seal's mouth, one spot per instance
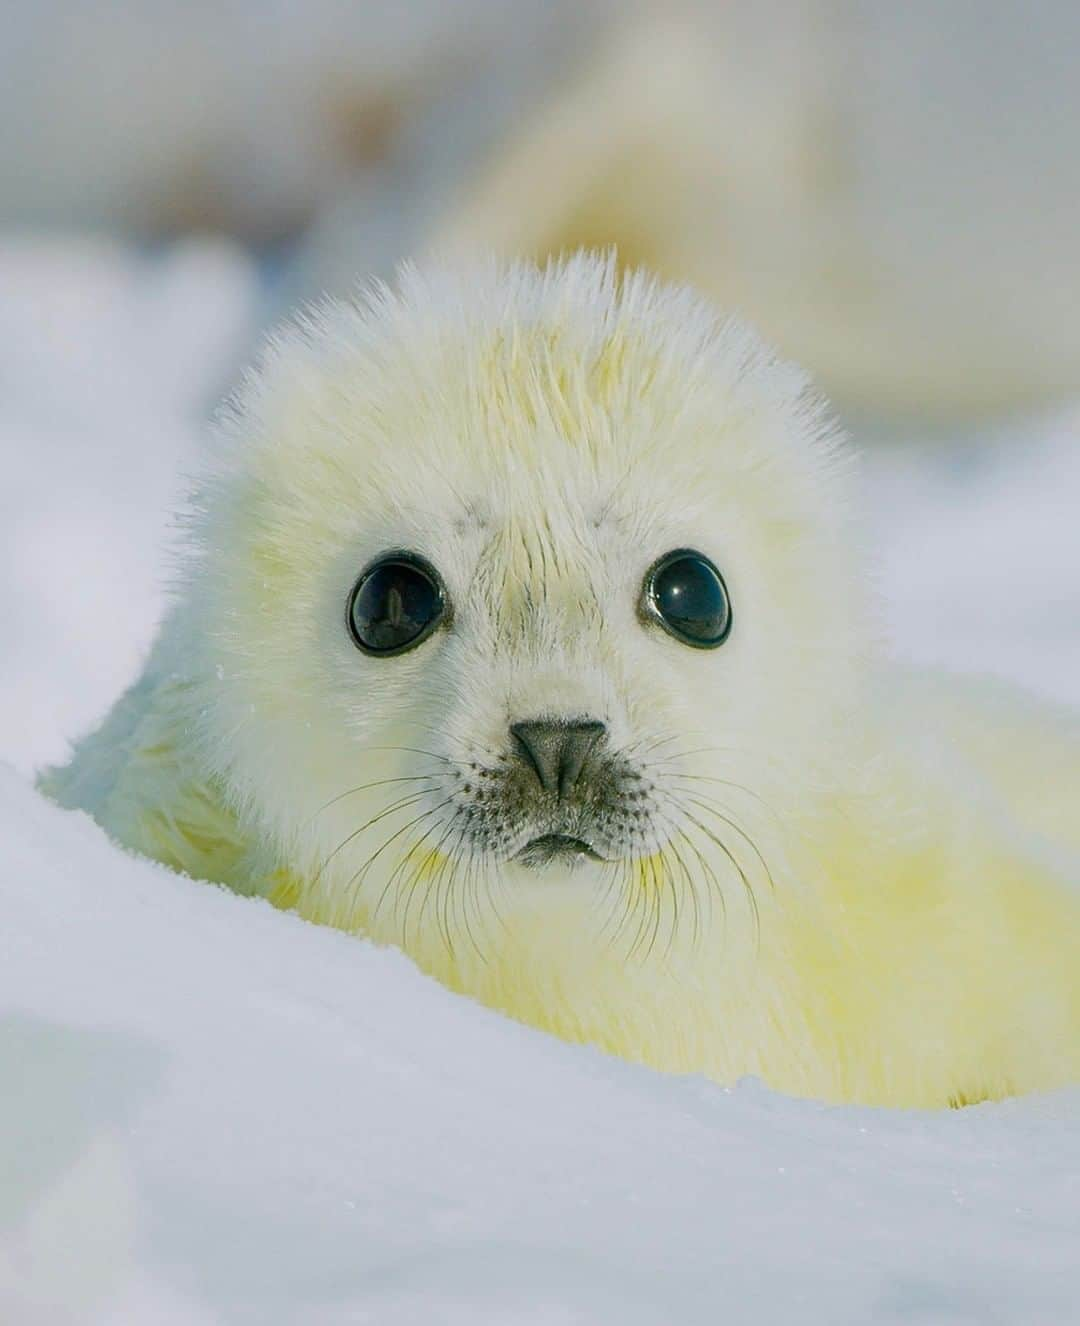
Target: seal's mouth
(551, 847)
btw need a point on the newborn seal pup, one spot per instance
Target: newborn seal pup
(519, 628)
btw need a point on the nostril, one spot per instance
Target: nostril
(531, 750)
(556, 751)
(580, 741)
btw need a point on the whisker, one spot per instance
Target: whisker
(655, 900)
(671, 893)
(638, 884)
(408, 800)
(679, 834)
(447, 873)
(697, 750)
(658, 877)
(635, 747)
(692, 887)
(424, 727)
(405, 856)
(357, 880)
(469, 892)
(619, 885)
(716, 889)
(366, 787)
(723, 782)
(412, 858)
(643, 750)
(733, 824)
(414, 881)
(635, 878)
(412, 750)
(674, 835)
(485, 877)
(747, 886)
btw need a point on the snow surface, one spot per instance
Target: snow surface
(221, 1113)
(212, 1112)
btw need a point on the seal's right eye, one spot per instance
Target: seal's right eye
(396, 603)
(686, 594)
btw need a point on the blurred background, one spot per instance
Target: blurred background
(889, 191)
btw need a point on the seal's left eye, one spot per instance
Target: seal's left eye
(396, 603)
(686, 594)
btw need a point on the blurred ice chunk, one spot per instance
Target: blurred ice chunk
(890, 192)
(232, 115)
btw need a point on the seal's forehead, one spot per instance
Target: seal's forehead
(543, 393)
(534, 396)
(519, 362)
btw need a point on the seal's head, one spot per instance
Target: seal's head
(519, 593)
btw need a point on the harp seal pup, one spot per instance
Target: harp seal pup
(519, 627)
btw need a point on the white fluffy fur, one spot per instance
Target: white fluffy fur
(824, 896)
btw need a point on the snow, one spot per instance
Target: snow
(215, 1113)
(108, 360)
(227, 1111)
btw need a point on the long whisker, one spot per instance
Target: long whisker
(640, 902)
(408, 800)
(716, 888)
(643, 750)
(657, 877)
(405, 857)
(413, 750)
(357, 880)
(616, 875)
(414, 880)
(672, 843)
(493, 900)
(680, 777)
(696, 934)
(469, 745)
(733, 824)
(467, 893)
(748, 888)
(615, 872)
(366, 787)
(669, 878)
(424, 727)
(668, 875)
(636, 747)
(447, 872)
(412, 857)
(633, 893)
(659, 880)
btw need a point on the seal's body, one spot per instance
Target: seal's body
(520, 629)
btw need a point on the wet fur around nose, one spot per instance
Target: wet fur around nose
(555, 779)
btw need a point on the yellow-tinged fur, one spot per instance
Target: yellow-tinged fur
(855, 885)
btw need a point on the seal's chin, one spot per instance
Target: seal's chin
(551, 848)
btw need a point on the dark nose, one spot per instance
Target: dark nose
(555, 750)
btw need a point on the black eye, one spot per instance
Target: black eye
(396, 603)
(686, 594)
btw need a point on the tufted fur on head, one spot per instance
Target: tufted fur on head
(540, 437)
